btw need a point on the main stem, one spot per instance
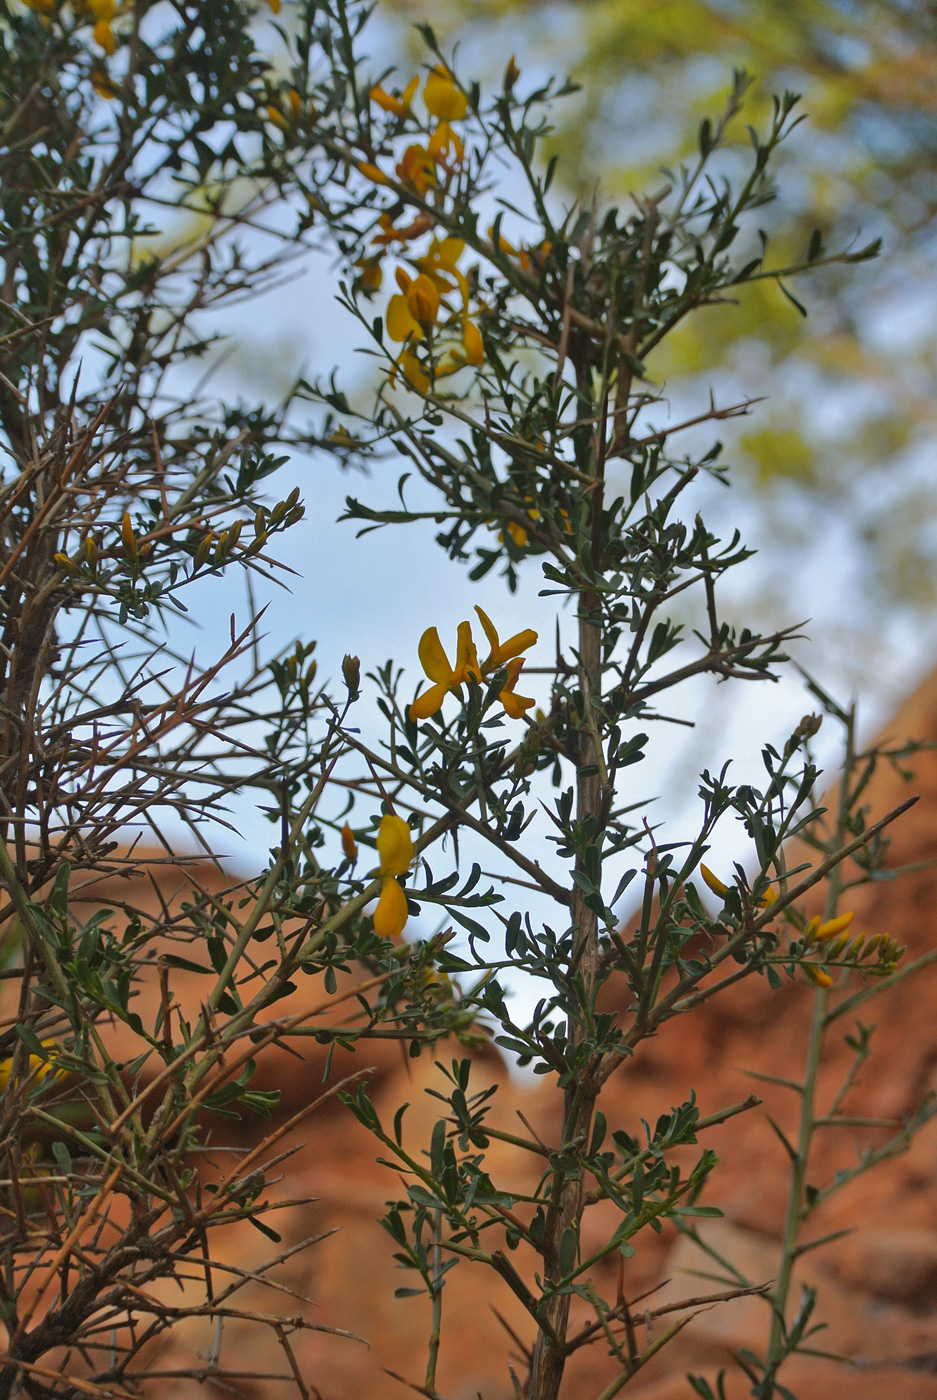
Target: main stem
(808, 1113)
(566, 1200)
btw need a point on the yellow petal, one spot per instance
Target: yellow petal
(423, 301)
(834, 926)
(442, 98)
(473, 343)
(387, 101)
(104, 36)
(373, 172)
(466, 660)
(490, 631)
(430, 701)
(514, 705)
(433, 659)
(394, 845)
(390, 916)
(713, 881)
(399, 319)
(413, 372)
(817, 976)
(349, 844)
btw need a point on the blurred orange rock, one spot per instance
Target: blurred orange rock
(877, 1284)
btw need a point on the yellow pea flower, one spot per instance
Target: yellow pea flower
(274, 6)
(435, 663)
(395, 849)
(417, 169)
(415, 376)
(817, 976)
(442, 98)
(399, 106)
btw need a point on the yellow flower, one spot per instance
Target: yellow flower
(442, 98)
(439, 265)
(395, 849)
(274, 6)
(349, 844)
(103, 9)
(435, 663)
(399, 106)
(817, 976)
(37, 1068)
(417, 170)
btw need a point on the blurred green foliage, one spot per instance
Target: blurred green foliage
(851, 389)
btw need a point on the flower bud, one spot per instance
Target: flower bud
(351, 670)
(349, 844)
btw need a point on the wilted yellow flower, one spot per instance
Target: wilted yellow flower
(102, 84)
(371, 275)
(442, 98)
